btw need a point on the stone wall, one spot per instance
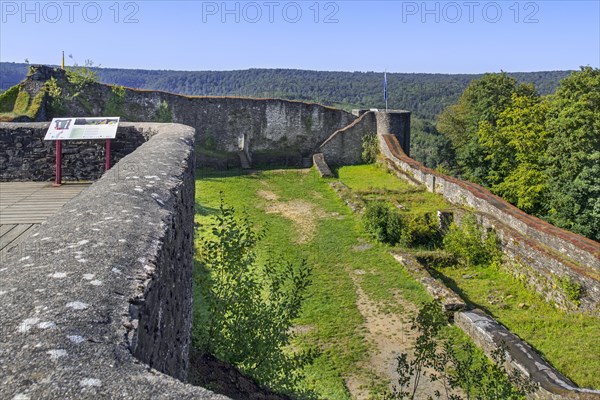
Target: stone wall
(275, 131)
(489, 335)
(541, 253)
(397, 123)
(344, 146)
(26, 156)
(97, 302)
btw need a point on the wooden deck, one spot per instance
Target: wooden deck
(26, 204)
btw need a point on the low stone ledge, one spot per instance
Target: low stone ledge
(554, 252)
(352, 200)
(450, 301)
(98, 299)
(321, 166)
(490, 335)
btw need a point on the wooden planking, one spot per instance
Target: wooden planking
(31, 201)
(12, 236)
(6, 228)
(23, 205)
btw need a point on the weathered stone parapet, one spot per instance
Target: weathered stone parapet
(321, 166)
(98, 300)
(489, 335)
(397, 123)
(547, 250)
(344, 146)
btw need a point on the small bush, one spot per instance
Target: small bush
(456, 364)
(391, 227)
(163, 114)
(82, 76)
(55, 101)
(370, 146)
(421, 230)
(384, 224)
(470, 245)
(573, 289)
(114, 104)
(250, 307)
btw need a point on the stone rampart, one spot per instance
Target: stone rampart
(491, 336)
(97, 303)
(541, 252)
(344, 146)
(274, 131)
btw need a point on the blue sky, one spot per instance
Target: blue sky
(397, 36)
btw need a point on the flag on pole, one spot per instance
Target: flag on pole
(385, 95)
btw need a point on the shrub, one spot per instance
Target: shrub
(370, 146)
(459, 367)
(249, 307)
(384, 224)
(82, 76)
(55, 101)
(163, 113)
(572, 289)
(114, 104)
(470, 245)
(391, 227)
(421, 230)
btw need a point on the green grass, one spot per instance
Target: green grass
(362, 178)
(8, 98)
(537, 322)
(330, 313)
(372, 182)
(330, 316)
(570, 342)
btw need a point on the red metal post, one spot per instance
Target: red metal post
(107, 162)
(58, 177)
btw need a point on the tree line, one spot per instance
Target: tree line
(426, 95)
(538, 152)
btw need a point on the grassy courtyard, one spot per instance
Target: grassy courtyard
(359, 305)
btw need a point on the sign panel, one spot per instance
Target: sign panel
(82, 128)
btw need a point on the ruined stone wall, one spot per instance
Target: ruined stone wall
(540, 253)
(344, 147)
(97, 302)
(275, 131)
(26, 156)
(490, 336)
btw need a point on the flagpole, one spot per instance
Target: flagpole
(385, 90)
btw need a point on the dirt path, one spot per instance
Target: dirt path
(389, 334)
(302, 213)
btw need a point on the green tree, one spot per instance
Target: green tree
(573, 155)
(482, 102)
(459, 367)
(250, 307)
(515, 148)
(430, 147)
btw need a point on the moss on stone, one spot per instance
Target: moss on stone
(35, 105)
(8, 99)
(21, 103)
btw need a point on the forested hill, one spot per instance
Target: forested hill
(426, 95)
